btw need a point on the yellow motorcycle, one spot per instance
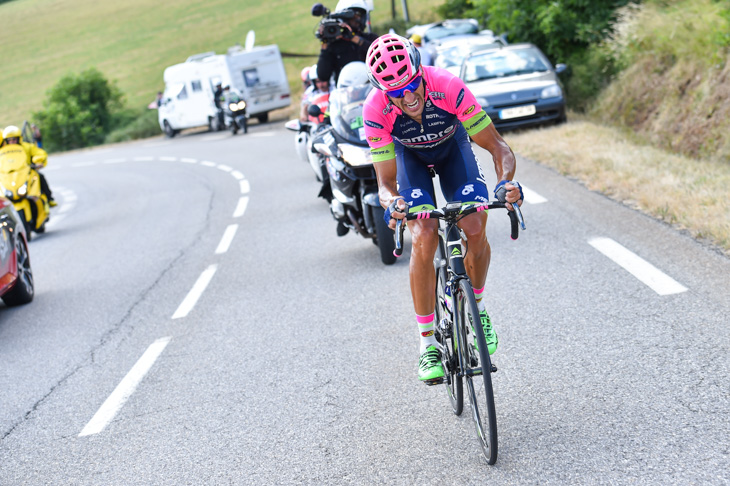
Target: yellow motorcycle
(20, 182)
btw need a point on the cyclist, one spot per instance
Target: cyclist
(421, 117)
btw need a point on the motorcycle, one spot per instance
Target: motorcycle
(236, 117)
(351, 182)
(305, 130)
(20, 182)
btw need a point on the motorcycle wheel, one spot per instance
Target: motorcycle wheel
(245, 125)
(385, 237)
(234, 127)
(26, 225)
(23, 290)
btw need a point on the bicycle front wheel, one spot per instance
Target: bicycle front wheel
(444, 323)
(478, 372)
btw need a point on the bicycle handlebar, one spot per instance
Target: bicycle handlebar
(455, 211)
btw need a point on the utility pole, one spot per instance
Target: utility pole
(404, 4)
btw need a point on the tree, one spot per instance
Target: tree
(79, 111)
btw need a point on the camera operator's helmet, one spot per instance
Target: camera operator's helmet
(353, 74)
(362, 5)
(392, 62)
(11, 131)
(313, 73)
(305, 74)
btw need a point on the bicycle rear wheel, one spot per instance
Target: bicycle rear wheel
(444, 324)
(478, 374)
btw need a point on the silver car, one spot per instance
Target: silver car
(516, 85)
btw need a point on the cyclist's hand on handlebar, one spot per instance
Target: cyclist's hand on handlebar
(396, 210)
(510, 192)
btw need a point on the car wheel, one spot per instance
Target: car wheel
(263, 117)
(23, 290)
(168, 129)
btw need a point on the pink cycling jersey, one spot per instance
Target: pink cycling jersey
(447, 103)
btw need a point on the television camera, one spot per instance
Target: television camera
(330, 28)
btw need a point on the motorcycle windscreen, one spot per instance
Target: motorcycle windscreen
(13, 159)
(346, 112)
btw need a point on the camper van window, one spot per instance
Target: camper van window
(251, 76)
(197, 85)
(183, 94)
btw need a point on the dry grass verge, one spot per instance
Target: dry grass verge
(687, 193)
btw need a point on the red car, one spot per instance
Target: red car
(16, 277)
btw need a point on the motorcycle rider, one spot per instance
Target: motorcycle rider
(317, 93)
(217, 99)
(12, 135)
(423, 116)
(351, 45)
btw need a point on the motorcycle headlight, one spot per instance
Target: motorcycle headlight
(354, 155)
(233, 107)
(22, 190)
(241, 105)
(553, 91)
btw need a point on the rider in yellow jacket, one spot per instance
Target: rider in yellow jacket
(36, 157)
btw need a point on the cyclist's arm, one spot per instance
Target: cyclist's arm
(386, 172)
(504, 159)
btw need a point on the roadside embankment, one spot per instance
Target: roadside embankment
(691, 194)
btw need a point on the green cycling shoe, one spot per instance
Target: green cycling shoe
(429, 365)
(489, 333)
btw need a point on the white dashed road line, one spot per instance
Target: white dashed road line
(531, 196)
(241, 207)
(124, 390)
(225, 242)
(647, 273)
(192, 298)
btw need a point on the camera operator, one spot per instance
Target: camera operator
(343, 37)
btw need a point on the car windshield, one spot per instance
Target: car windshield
(454, 55)
(501, 63)
(450, 28)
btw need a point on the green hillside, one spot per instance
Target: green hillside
(132, 41)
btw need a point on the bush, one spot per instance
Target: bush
(79, 111)
(144, 125)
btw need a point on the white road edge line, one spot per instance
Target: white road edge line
(245, 186)
(241, 207)
(225, 242)
(124, 390)
(647, 273)
(192, 298)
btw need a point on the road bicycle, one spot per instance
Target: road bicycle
(459, 332)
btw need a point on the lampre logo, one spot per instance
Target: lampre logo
(428, 137)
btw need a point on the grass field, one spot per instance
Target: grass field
(133, 41)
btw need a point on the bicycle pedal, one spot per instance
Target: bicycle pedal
(435, 381)
(494, 368)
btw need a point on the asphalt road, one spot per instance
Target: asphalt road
(198, 321)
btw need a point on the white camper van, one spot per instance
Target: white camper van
(258, 74)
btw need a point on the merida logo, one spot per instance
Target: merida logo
(456, 251)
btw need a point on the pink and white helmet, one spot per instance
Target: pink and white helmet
(392, 62)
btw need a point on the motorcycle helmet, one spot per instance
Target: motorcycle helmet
(360, 6)
(392, 62)
(12, 131)
(353, 74)
(305, 74)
